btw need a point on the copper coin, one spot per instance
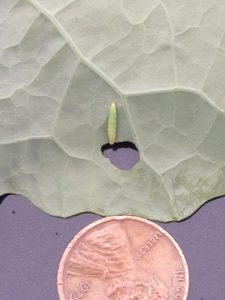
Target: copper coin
(123, 258)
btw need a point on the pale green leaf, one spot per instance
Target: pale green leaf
(63, 62)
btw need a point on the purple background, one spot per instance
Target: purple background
(32, 243)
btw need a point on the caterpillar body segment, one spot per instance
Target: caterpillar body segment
(112, 124)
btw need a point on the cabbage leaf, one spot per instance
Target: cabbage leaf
(62, 63)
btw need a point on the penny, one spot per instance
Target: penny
(123, 258)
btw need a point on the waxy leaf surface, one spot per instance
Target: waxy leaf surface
(63, 62)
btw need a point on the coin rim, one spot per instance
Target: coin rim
(108, 219)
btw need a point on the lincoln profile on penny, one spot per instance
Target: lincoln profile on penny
(105, 255)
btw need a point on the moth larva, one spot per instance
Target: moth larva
(112, 124)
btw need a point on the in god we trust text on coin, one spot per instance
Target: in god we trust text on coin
(123, 258)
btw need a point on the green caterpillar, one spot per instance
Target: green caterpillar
(112, 124)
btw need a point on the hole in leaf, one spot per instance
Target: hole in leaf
(2, 197)
(123, 155)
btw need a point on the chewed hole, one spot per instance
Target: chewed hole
(123, 155)
(4, 196)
